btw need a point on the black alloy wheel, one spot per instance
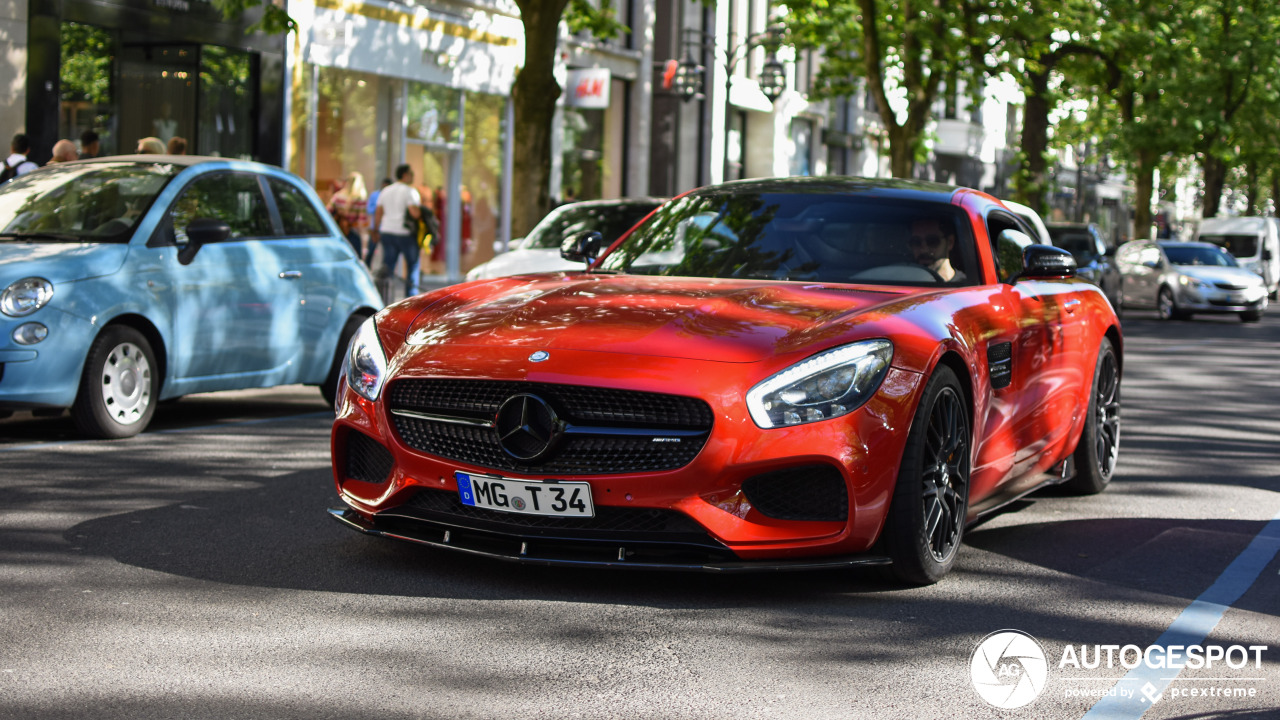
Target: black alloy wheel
(927, 518)
(1099, 446)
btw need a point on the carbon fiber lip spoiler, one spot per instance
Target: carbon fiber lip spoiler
(533, 551)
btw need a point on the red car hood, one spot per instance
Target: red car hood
(719, 320)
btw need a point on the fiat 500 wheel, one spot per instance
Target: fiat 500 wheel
(119, 385)
(1099, 446)
(926, 520)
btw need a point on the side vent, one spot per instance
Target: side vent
(1000, 364)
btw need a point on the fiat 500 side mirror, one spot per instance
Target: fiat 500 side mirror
(202, 231)
(1046, 261)
(582, 246)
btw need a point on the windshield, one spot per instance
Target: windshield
(609, 220)
(1238, 245)
(91, 202)
(1198, 255)
(809, 237)
(1080, 244)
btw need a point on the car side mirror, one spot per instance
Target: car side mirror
(1045, 261)
(200, 232)
(1153, 264)
(582, 246)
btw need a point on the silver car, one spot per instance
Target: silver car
(1182, 278)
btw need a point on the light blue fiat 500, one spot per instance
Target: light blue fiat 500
(128, 280)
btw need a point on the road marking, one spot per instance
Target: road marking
(1191, 627)
(175, 431)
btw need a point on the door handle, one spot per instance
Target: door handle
(1071, 305)
(290, 274)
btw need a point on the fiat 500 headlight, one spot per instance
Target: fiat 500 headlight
(830, 384)
(25, 296)
(365, 366)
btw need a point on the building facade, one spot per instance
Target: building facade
(130, 69)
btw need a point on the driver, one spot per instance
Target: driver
(930, 244)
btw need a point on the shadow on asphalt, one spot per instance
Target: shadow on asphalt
(277, 535)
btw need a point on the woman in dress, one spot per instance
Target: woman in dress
(348, 207)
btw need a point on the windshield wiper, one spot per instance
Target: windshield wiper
(60, 237)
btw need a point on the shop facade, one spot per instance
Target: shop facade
(374, 85)
(129, 69)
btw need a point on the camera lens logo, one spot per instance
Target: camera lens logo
(1008, 669)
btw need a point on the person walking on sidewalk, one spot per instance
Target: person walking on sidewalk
(397, 205)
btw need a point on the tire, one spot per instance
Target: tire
(329, 389)
(119, 386)
(1099, 447)
(927, 517)
(1167, 307)
(1251, 316)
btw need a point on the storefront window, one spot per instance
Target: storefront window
(433, 113)
(481, 176)
(353, 120)
(226, 104)
(802, 147)
(87, 56)
(584, 168)
(159, 81)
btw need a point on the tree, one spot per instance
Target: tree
(534, 94)
(896, 46)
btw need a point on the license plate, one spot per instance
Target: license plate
(527, 497)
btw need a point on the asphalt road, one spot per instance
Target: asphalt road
(192, 573)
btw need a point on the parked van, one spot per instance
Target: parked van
(1254, 241)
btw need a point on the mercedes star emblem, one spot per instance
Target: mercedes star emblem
(539, 356)
(527, 427)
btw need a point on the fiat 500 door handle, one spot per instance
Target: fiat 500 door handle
(290, 274)
(1071, 305)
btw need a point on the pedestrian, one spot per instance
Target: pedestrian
(151, 146)
(63, 151)
(177, 145)
(90, 145)
(349, 209)
(397, 204)
(17, 164)
(370, 209)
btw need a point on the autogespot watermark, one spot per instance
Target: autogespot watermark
(1010, 669)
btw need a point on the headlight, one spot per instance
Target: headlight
(365, 365)
(830, 384)
(1193, 283)
(25, 296)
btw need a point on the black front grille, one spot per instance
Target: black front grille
(809, 492)
(1230, 286)
(609, 521)
(367, 460)
(650, 419)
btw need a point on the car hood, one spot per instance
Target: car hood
(59, 262)
(718, 320)
(1209, 273)
(518, 262)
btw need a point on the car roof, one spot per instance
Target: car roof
(1233, 224)
(882, 188)
(1184, 243)
(184, 160)
(1068, 225)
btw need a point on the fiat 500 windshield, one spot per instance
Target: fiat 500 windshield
(94, 202)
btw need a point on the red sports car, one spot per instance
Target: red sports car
(781, 374)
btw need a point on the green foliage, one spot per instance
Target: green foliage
(601, 22)
(87, 54)
(275, 19)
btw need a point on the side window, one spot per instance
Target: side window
(1008, 254)
(297, 214)
(234, 198)
(1150, 256)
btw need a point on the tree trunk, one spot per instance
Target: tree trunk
(902, 156)
(1215, 178)
(1144, 182)
(534, 98)
(1254, 187)
(1031, 184)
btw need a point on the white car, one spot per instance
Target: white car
(1033, 219)
(540, 251)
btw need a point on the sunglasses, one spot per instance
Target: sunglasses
(932, 241)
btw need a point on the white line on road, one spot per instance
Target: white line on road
(1128, 701)
(175, 431)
